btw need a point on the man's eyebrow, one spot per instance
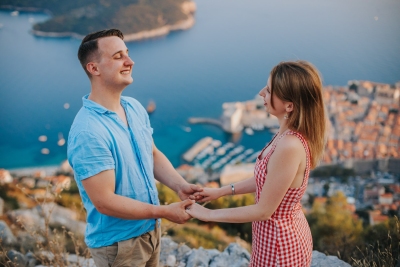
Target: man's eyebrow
(120, 51)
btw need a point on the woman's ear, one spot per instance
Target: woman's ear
(289, 107)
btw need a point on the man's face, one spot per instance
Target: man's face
(114, 63)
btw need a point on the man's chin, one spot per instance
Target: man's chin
(129, 81)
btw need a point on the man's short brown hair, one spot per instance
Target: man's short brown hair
(89, 46)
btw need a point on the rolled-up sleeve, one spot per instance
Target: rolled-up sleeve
(89, 155)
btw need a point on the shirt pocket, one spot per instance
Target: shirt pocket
(147, 136)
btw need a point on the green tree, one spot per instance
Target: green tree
(334, 228)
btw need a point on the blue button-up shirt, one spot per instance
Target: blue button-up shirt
(99, 140)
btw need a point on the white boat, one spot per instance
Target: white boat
(248, 151)
(216, 143)
(42, 138)
(15, 13)
(186, 129)
(221, 151)
(249, 131)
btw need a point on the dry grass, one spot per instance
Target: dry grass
(52, 246)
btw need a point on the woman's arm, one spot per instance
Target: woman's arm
(282, 168)
(242, 187)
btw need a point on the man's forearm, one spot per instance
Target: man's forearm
(165, 173)
(127, 208)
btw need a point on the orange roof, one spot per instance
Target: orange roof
(321, 200)
(184, 167)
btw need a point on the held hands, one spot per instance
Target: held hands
(199, 212)
(207, 194)
(176, 211)
(188, 191)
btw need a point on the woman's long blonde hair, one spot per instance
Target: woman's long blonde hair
(299, 82)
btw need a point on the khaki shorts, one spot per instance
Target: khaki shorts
(141, 251)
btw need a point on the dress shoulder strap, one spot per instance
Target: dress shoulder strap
(306, 148)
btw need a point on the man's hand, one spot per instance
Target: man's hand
(176, 212)
(186, 191)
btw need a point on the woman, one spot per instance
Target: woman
(281, 234)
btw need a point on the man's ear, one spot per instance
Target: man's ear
(92, 69)
(289, 107)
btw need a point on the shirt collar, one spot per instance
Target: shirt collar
(87, 103)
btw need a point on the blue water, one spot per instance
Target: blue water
(226, 56)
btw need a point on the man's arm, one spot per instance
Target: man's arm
(100, 189)
(165, 173)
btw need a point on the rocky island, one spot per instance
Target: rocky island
(137, 19)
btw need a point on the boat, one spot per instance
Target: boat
(249, 131)
(186, 129)
(15, 13)
(151, 107)
(43, 138)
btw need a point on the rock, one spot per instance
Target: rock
(174, 255)
(168, 247)
(17, 258)
(5, 234)
(33, 219)
(170, 250)
(31, 259)
(198, 258)
(46, 255)
(171, 260)
(29, 241)
(74, 260)
(60, 216)
(29, 219)
(321, 260)
(88, 263)
(213, 253)
(182, 253)
(234, 256)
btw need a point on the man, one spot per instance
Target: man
(115, 161)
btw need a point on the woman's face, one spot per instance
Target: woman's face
(265, 93)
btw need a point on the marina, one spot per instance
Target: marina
(211, 155)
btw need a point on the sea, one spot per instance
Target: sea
(225, 57)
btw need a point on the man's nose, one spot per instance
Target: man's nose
(129, 61)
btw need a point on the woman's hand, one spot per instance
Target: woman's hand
(199, 212)
(189, 191)
(208, 194)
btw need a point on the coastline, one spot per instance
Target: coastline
(48, 170)
(187, 7)
(26, 9)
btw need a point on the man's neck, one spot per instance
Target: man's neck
(110, 99)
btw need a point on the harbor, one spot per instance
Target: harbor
(209, 160)
(248, 116)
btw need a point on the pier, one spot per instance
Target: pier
(205, 120)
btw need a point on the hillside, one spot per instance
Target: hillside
(130, 16)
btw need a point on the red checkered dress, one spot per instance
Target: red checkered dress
(285, 239)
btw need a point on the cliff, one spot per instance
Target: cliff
(180, 255)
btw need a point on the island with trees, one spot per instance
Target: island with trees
(137, 19)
